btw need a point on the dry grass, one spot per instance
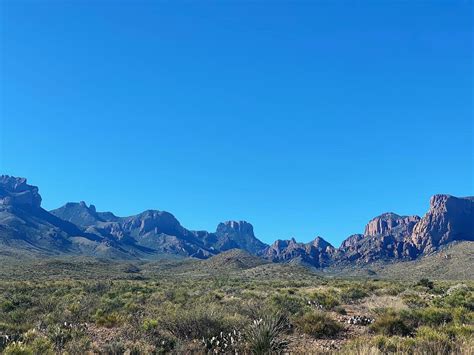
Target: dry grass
(374, 302)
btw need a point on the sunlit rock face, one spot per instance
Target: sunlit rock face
(391, 223)
(448, 219)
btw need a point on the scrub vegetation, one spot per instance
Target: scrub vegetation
(77, 306)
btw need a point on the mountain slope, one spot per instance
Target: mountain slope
(78, 229)
(161, 231)
(27, 228)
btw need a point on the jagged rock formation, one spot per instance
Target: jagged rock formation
(28, 229)
(16, 192)
(391, 224)
(240, 235)
(161, 231)
(385, 237)
(389, 237)
(448, 219)
(317, 253)
(78, 229)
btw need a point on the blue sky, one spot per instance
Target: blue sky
(303, 118)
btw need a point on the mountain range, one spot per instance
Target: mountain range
(79, 229)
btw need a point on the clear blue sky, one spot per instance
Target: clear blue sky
(303, 118)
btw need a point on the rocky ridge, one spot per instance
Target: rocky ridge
(77, 228)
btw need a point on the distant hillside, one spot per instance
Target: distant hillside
(235, 259)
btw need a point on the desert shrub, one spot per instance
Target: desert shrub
(391, 323)
(78, 346)
(462, 315)
(37, 343)
(263, 335)
(394, 344)
(41, 346)
(18, 348)
(328, 299)
(392, 290)
(432, 341)
(113, 348)
(154, 336)
(456, 331)
(7, 306)
(414, 300)
(287, 304)
(341, 310)
(198, 323)
(433, 316)
(426, 283)
(131, 269)
(105, 319)
(318, 324)
(59, 336)
(458, 297)
(353, 294)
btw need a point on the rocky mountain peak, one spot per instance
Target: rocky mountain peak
(387, 222)
(235, 226)
(238, 234)
(322, 244)
(15, 191)
(449, 218)
(78, 213)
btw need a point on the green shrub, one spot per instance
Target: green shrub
(113, 348)
(328, 299)
(109, 320)
(318, 324)
(414, 300)
(18, 348)
(460, 297)
(42, 346)
(426, 283)
(353, 294)
(391, 323)
(432, 341)
(198, 323)
(394, 344)
(78, 346)
(287, 304)
(433, 316)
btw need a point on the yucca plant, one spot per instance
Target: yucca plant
(263, 335)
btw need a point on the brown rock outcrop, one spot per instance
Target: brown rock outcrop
(448, 219)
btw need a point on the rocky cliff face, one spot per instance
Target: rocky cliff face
(448, 219)
(385, 237)
(317, 253)
(391, 224)
(26, 228)
(16, 192)
(233, 234)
